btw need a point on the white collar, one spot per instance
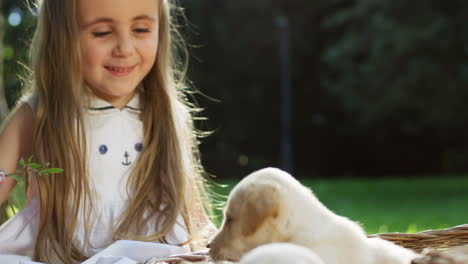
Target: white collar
(97, 104)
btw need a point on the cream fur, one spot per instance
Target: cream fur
(270, 206)
(281, 253)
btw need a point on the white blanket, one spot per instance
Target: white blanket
(120, 252)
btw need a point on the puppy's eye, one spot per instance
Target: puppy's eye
(228, 219)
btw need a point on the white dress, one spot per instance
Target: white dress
(114, 142)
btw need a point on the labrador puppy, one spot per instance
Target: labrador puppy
(270, 206)
(281, 253)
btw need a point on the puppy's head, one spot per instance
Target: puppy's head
(252, 218)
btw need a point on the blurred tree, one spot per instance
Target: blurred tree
(16, 47)
(236, 41)
(400, 69)
(3, 103)
(385, 57)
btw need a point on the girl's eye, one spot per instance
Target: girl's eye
(101, 34)
(142, 30)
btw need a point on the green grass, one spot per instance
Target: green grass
(384, 205)
(393, 204)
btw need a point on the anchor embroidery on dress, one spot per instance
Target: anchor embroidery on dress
(127, 162)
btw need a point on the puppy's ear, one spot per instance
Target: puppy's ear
(261, 203)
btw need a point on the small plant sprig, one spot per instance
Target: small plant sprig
(29, 166)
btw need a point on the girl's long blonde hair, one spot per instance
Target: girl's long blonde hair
(167, 177)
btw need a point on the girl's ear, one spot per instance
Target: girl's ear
(261, 203)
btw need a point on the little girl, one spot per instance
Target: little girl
(108, 108)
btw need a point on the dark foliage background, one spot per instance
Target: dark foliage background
(378, 86)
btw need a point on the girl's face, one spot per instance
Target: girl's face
(119, 41)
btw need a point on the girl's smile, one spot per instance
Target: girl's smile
(120, 71)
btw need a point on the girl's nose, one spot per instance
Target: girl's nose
(124, 47)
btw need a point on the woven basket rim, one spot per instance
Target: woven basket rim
(430, 239)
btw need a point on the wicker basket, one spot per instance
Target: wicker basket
(431, 239)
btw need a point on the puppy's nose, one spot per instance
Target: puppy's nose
(208, 245)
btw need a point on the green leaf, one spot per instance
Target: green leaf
(16, 177)
(52, 170)
(21, 162)
(30, 159)
(35, 165)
